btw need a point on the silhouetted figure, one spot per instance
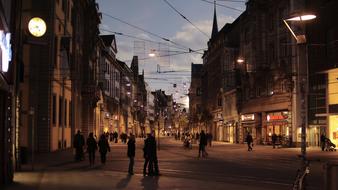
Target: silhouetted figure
(322, 141)
(78, 144)
(202, 144)
(146, 154)
(150, 156)
(274, 140)
(91, 148)
(249, 141)
(131, 154)
(103, 148)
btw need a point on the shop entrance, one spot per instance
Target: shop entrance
(314, 136)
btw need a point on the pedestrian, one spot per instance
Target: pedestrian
(153, 157)
(249, 141)
(322, 141)
(273, 140)
(91, 148)
(103, 147)
(131, 154)
(210, 139)
(146, 155)
(202, 144)
(78, 144)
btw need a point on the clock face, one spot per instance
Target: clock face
(37, 27)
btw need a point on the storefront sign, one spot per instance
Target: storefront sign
(276, 117)
(6, 51)
(248, 117)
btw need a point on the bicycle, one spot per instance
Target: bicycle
(300, 181)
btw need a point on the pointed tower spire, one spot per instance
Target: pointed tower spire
(214, 24)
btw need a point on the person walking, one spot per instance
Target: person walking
(203, 142)
(131, 154)
(91, 148)
(274, 139)
(78, 144)
(249, 141)
(146, 155)
(322, 141)
(153, 156)
(103, 147)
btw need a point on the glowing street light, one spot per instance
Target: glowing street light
(240, 60)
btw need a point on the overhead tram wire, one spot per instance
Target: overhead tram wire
(185, 18)
(235, 1)
(141, 39)
(228, 7)
(151, 33)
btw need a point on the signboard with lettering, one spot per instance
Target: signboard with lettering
(248, 117)
(6, 51)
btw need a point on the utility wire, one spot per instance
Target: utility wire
(237, 1)
(185, 18)
(142, 39)
(232, 8)
(151, 33)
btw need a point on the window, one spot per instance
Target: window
(60, 110)
(65, 112)
(64, 6)
(219, 101)
(198, 91)
(70, 115)
(54, 110)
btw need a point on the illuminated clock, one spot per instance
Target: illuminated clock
(37, 26)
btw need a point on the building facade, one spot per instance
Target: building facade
(7, 96)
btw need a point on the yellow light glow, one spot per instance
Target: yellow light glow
(151, 54)
(106, 129)
(240, 60)
(37, 26)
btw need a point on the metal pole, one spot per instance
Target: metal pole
(302, 77)
(158, 131)
(31, 112)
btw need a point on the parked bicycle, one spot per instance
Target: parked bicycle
(300, 181)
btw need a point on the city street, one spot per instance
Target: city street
(229, 166)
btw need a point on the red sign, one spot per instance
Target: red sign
(276, 117)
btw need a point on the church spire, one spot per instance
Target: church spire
(214, 25)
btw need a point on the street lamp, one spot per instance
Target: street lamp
(302, 76)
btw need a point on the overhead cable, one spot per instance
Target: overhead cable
(142, 39)
(185, 18)
(232, 8)
(143, 30)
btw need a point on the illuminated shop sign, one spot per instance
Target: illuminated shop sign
(278, 116)
(6, 52)
(248, 117)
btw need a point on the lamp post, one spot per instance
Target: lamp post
(301, 77)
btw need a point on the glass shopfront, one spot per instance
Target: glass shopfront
(278, 123)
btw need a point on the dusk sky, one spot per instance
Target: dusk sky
(157, 17)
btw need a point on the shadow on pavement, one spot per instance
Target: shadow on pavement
(123, 183)
(150, 182)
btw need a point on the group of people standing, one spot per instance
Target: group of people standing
(149, 151)
(92, 146)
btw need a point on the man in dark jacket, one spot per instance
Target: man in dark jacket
(274, 140)
(91, 148)
(150, 156)
(203, 143)
(131, 154)
(249, 140)
(103, 148)
(78, 144)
